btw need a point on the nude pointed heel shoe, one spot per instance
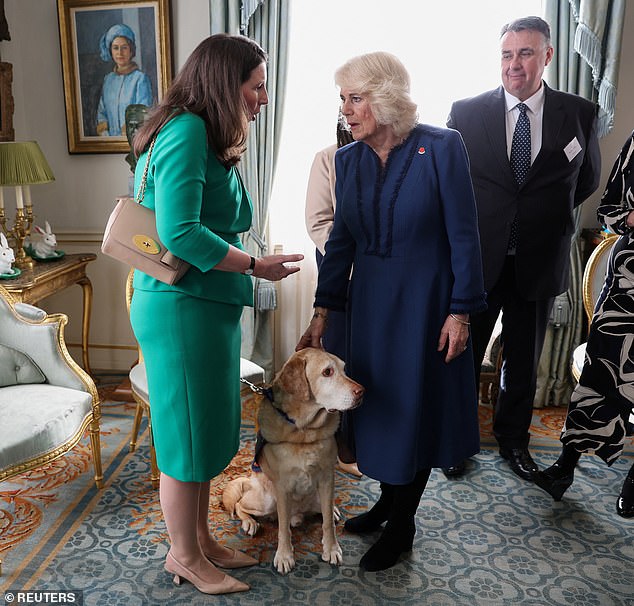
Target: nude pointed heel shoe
(236, 560)
(180, 572)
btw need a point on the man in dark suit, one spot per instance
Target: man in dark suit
(527, 182)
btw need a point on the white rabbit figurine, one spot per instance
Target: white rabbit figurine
(6, 256)
(45, 246)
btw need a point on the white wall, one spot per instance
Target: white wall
(78, 202)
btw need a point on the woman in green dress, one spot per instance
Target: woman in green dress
(190, 332)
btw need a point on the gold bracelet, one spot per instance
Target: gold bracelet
(457, 319)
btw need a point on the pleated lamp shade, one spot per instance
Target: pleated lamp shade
(23, 163)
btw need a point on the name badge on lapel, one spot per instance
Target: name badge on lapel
(572, 149)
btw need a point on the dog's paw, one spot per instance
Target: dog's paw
(250, 526)
(284, 562)
(334, 555)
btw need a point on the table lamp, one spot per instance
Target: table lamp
(22, 164)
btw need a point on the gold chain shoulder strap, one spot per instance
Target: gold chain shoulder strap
(141, 192)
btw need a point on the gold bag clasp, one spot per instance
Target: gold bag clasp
(146, 244)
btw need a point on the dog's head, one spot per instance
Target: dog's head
(314, 374)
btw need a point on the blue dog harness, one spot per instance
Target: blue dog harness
(267, 392)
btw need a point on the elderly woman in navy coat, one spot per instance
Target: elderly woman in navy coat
(405, 224)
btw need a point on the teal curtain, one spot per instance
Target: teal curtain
(269, 27)
(598, 40)
(266, 22)
(231, 16)
(586, 35)
(225, 16)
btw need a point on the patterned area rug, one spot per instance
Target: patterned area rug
(486, 539)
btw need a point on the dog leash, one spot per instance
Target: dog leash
(263, 391)
(267, 392)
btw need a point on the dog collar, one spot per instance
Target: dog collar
(267, 392)
(283, 414)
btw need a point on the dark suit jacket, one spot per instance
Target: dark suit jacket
(555, 185)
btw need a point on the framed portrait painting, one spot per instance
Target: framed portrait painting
(114, 54)
(6, 102)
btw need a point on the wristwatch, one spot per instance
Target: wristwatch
(251, 267)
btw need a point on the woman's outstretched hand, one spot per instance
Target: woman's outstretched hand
(272, 267)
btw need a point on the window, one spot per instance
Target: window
(449, 47)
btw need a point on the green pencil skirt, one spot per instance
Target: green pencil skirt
(191, 349)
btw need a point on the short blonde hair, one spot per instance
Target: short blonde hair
(383, 78)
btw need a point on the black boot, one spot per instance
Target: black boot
(398, 536)
(625, 503)
(557, 478)
(372, 519)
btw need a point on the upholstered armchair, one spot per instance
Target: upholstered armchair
(592, 283)
(491, 367)
(139, 388)
(46, 400)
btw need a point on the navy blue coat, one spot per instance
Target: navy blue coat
(409, 233)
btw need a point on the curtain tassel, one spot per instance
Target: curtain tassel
(561, 313)
(588, 45)
(265, 296)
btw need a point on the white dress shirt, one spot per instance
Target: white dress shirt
(535, 115)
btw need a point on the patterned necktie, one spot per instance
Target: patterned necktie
(520, 158)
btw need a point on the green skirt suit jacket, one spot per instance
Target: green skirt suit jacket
(189, 333)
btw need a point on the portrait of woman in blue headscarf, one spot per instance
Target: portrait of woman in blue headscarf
(124, 85)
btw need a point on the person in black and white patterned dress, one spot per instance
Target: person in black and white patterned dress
(600, 412)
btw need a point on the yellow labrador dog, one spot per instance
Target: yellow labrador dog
(297, 422)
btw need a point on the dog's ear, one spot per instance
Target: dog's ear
(292, 378)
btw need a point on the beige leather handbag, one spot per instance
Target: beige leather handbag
(130, 237)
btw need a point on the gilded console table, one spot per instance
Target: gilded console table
(49, 277)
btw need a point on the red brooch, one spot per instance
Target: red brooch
(421, 150)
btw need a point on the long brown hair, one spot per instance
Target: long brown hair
(208, 85)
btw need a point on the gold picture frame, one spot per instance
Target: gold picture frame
(6, 102)
(92, 33)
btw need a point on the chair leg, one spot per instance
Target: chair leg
(95, 445)
(155, 474)
(485, 389)
(495, 392)
(138, 415)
